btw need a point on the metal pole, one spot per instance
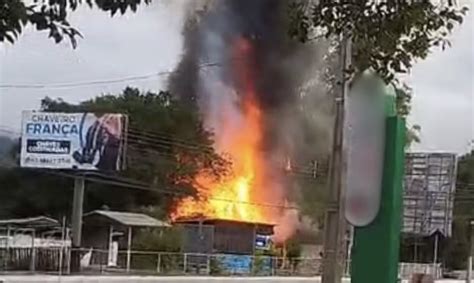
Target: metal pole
(471, 253)
(7, 249)
(77, 206)
(129, 248)
(435, 256)
(68, 255)
(208, 264)
(416, 249)
(469, 269)
(185, 263)
(334, 221)
(33, 252)
(349, 251)
(61, 252)
(110, 255)
(158, 264)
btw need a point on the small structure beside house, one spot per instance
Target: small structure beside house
(111, 231)
(32, 243)
(35, 223)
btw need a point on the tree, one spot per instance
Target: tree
(387, 36)
(458, 245)
(52, 15)
(404, 95)
(6, 144)
(167, 146)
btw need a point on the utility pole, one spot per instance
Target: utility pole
(77, 206)
(333, 258)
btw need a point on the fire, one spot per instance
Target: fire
(234, 198)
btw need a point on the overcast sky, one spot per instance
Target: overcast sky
(150, 41)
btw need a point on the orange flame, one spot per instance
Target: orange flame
(234, 198)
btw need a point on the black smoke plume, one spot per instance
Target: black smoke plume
(291, 91)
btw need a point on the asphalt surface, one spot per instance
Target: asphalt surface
(151, 279)
(144, 279)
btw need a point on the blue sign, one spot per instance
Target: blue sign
(245, 264)
(262, 242)
(236, 264)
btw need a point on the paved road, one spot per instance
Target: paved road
(150, 279)
(144, 279)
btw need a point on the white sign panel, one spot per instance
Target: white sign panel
(364, 143)
(84, 141)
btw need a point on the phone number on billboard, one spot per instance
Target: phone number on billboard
(49, 160)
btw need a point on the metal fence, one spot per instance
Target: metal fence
(93, 261)
(407, 269)
(56, 260)
(139, 262)
(21, 250)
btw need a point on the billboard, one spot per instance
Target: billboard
(429, 187)
(83, 141)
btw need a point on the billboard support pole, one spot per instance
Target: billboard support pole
(77, 206)
(375, 252)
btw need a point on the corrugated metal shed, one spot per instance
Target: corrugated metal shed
(128, 219)
(31, 222)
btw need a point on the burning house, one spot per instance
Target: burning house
(219, 236)
(262, 95)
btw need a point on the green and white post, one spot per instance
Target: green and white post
(376, 246)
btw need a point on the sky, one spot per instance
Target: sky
(150, 41)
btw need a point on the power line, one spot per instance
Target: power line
(167, 144)
(96, 177)
(99, 82)
(6, 130)
(133, 184)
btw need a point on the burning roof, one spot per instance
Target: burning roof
(261, 228)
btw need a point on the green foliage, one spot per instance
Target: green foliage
(167, 146)
(404, 95)
(30, 193)
(52, 16)
(458, 246)
(387, 36)
(215, 266)
(167, 142)
(313, 199)
(258, 264)
(167, 240)
(6, 145)
(293, 248)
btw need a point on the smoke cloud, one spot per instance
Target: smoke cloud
(289, 78)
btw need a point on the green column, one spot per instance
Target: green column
(375, 251)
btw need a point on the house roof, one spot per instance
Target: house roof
(31, 222)
(128, 219)
(205, 220)
(262, 228)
